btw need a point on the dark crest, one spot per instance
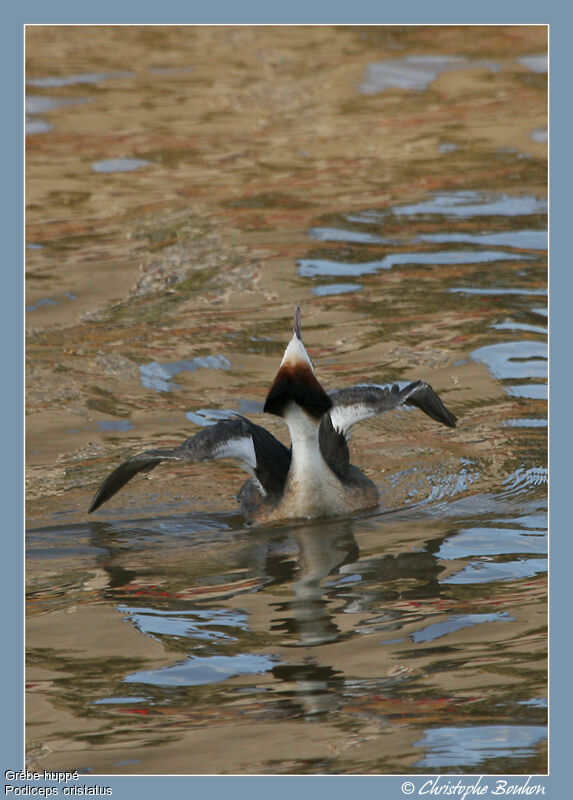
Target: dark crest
(297, 384)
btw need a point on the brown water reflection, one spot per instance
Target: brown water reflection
(185, 187)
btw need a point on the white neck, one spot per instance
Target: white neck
(303, 431)
(314, 488)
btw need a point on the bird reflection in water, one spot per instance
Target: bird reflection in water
(323, 550)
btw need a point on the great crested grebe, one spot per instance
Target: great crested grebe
(312, 478)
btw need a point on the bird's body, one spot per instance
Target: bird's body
(314, 478)
(312, 487)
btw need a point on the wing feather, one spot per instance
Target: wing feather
(254, 448)
(361, 402)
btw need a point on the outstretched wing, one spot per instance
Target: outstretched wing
(256, 450)
(357, 403)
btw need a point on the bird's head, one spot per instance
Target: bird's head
(295, 382)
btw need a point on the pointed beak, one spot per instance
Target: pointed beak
(296, 326)
(295, 352)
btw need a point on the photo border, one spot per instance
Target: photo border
(553, 13)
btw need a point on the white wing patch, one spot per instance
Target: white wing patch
(361, 402)
(240, 448)
(345, 417)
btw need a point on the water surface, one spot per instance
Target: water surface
(186, 187)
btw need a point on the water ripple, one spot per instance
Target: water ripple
(469, 746)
